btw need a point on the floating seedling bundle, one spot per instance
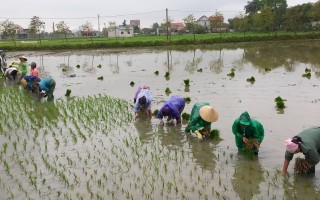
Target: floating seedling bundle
(302, 166)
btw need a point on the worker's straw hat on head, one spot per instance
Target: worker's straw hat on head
(208, 114)
(23, 57)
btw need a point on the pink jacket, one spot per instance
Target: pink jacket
(34, 72)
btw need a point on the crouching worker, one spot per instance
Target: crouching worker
(45, 88)
(142, 102)
(201, 117)
(248, 132)
(30, 83)
(306, 142)
(172, 109)
(10, 73)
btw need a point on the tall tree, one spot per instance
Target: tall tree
(190, 24)
(264, 19)
(8, 28)
(63, 28)
(252, 7)
(315, 11)
(36, 26)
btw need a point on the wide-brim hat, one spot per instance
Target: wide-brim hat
(23, 57)
(208, 114)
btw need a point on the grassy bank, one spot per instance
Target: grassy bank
(151, 41)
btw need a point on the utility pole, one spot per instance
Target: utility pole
(167, 23)
(99, 24)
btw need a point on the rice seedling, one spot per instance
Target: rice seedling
(132, 83)
(99, 66)
(307, 70)
(187, 99)
(185, 116)
(100, 78)
(280, 102)
(307, 75)
(155, 112)
(156, 73)
(251, 79)
(78, 66)
(302, 166)
(168, 91)
(68, 92)
(199, 70)
(186, 82)
(267, 69)
(215, 134)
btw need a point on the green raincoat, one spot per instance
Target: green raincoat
(253, 130)
(196, 122)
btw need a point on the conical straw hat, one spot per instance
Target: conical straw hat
(208, 114)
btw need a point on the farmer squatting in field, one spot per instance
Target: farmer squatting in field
(201, 117)
(172, 109)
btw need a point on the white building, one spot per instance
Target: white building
(120, 31)
(203, 21)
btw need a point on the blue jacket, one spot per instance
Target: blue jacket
(44, 84)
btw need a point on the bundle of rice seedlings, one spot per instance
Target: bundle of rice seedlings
(302, 166)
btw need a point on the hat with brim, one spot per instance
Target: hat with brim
(208, 114)
(23, 57)
(244, 120)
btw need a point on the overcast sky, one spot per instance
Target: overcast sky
(77, 12)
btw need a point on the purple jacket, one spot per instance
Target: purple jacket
(175, 104)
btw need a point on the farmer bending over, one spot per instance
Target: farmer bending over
(306, 142)
(172, 109)
(142, 101)
(10, 73)
(45, 88)
(246, 130)
(201, 117)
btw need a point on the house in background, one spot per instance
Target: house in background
(177, 27)
(21, 33)
(135, 23)
(204, 21)
(120, 31)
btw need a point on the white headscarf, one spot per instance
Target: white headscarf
(290, 146)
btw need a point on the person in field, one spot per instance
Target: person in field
(142, 101)
(306, 142)
(10, 73)
(22, 68)
(248, 133)
(45, 88)
(201, 117)
(172, 109)
(34, 70)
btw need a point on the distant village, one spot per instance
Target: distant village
(203, 25)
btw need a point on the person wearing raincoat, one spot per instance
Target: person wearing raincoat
(306, 142)
(172, 109)
(244, 129)
(142, 101)
(201, 117)
(23, 68)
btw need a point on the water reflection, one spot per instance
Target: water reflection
(171, 136)
(203, 153)
(303, 187)
(144, 128)
(247, 177)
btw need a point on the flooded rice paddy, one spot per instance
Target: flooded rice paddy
(89, 146)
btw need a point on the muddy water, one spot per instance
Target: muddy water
(276, 66)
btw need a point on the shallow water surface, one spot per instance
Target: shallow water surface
(165, 161)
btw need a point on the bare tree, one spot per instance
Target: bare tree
(63, 28)
(36, 26)
(8, 28)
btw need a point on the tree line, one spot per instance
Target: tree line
(275, 15)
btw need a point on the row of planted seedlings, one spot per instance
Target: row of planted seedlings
(88, 148)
